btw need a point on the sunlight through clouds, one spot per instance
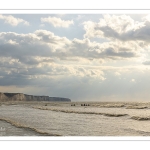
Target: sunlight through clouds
(104, 55)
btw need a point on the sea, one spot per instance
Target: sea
(75, 119)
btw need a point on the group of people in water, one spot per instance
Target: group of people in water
(81, 105)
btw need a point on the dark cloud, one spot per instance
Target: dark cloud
(110, 52)
(108, 32)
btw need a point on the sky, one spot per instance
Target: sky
(84, 57)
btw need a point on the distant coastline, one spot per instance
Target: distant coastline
(25, 97)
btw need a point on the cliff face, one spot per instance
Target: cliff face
(3, 97)
(25, 97)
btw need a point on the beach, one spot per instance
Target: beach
(33, 118)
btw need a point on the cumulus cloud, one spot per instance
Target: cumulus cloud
(44, 43)
(9, 19)
(26, 58)
(120, 27)
(57, 22)
(112, 50)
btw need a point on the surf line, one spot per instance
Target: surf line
(27, 127)
(95, 113)
(77, 112)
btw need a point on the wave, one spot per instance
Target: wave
(140, 132)
(109, 105)
(140, 118)
(136, 107)
(18, 125)
(80, 112)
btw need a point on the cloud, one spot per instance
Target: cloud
(81, 87)
(43, 59)
(9, 19)
(40, 56)
(43, 43)
(112, 50)
(120, 27)
(58, 22)
(146, 62)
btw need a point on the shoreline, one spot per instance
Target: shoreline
(64, 118)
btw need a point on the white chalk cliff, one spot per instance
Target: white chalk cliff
(25, 97)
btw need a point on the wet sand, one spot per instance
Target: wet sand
(7, 129)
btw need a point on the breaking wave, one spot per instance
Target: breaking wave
(136, 107)
(80, 112)
(109, 105)
(18, 125)
(140, 118)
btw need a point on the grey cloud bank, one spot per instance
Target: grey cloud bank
(116, 68)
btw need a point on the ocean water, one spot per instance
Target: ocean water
(54, 119)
